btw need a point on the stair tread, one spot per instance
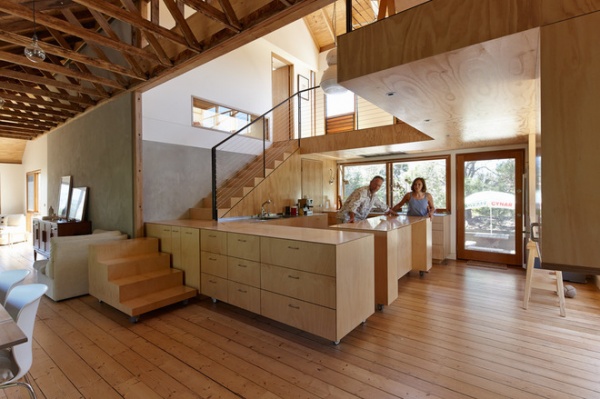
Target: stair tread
(145, 276)
(124, 259)
(158, 299)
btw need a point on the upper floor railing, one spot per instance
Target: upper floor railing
(243, 156)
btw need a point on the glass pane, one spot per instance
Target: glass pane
(340, 104)
(490, 206)
(31, 193)
(434, 173)
(356, 176)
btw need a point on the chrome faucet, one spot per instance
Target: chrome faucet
(263, 213)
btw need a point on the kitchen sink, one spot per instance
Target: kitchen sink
(270, 216)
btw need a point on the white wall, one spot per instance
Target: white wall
(12, 189)
(240, 79)
(35, 158)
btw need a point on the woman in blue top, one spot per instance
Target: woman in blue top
(420, 202)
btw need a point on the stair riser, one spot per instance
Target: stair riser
(154, 284)
(126, 268)
(124, 248)
(147, 307)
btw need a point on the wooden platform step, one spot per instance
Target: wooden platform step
(158, 280)
(157, 300)
(134, 277)
(129, 265)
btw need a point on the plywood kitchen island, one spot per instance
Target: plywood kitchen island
(318, 280)
(402, 244)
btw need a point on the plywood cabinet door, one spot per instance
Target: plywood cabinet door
(190, 256)
(163, 233)
(175, 247)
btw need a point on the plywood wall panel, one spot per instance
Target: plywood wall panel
(570, 122)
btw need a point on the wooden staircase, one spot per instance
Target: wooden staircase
(235, 189)
(134, 277)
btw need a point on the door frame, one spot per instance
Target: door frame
(280, 92)
(461, 252)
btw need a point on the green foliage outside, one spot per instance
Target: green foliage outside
(403, 174)
(495, 175)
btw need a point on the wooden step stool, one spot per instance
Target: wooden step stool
(544, 279)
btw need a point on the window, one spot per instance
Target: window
(208, 115)
(434, 171)
(356, 176)
(33, 180)
(340, 112)
(399, 175)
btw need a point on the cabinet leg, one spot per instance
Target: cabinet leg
(379, 306)
(134, 319)
(214, 300)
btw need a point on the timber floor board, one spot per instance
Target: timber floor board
(457, 332)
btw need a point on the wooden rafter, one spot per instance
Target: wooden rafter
(96, 49)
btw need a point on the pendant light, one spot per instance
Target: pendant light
(329, 83)
(34, 52)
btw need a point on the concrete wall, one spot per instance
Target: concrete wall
(96, 149)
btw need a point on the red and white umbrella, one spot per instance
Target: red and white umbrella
(490, 199)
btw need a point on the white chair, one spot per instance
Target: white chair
(9, 279)
(22, 304)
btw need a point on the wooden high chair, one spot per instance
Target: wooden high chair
(544, 279)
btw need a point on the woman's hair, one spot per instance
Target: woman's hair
(424, 189)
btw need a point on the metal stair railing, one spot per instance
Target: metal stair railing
(233, 156)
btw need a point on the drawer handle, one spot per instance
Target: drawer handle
(240, 240)
(213, 259)
(212, 281)
(293, 306)
(294, 277)
(242, 291)
(212, 235)
(241, 265)
(290, 247)
(188, 233)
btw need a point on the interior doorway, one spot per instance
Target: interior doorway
(312, 180)
(33, 196)
(489, 206)
(282, 73)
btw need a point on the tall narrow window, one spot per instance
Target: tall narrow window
(340, 112)
(33, 181)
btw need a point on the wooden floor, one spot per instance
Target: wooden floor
(457, 332)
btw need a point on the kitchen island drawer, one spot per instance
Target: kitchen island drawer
(243, 271)
(214, 264)
(306, 316)
(213, 241)
(307, 256)
(243, 246)
(309, 287)
(244, 296)
(214, 287)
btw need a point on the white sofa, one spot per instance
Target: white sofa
(66, 271)
(12, 229)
